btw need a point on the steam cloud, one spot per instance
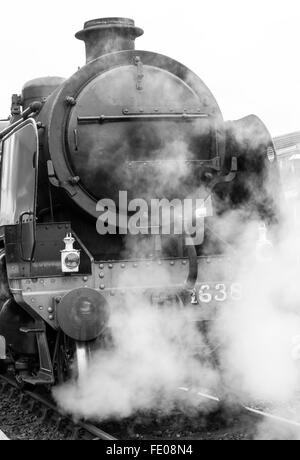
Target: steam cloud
(158, 350)
(154, 353)
(259, 336)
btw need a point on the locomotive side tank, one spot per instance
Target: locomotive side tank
(128, 121)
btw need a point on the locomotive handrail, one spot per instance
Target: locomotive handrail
(180, 116)
(193, 264)
(29, 112)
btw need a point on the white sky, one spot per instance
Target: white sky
(246, 51)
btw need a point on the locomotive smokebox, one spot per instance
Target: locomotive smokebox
(108, 35)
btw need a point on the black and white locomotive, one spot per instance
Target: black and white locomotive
(132, 121)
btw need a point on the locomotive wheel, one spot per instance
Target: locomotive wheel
(71, 358)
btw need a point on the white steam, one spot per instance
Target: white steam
(158, 350)
(259, 336)
(155, 351)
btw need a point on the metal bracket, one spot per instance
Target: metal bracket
(68, 185)
(16, 103)
(228, 177)
(27, 330)
(140, 73)
(45, 373)
(51, 174)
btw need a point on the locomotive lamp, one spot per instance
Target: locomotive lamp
(70, 257)
(264, 247)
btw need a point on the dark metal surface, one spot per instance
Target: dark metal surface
(47, 255)
(97, 85)
(83, 314)
(108, 35)
(39, 89)
(12, 318)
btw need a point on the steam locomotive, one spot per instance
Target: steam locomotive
(130, 121)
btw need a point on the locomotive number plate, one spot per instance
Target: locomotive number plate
(219, 292)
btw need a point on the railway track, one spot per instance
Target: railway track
(241, 423)
(257, 414)
(47, 411)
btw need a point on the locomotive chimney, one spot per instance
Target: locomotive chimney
(108, 35)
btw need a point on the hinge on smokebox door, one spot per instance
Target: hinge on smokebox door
(140, 73)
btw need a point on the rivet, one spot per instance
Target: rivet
(101, 275)
(41, 308)
(172, 263)
(57, 299)
(101, 266)
(51, 317)
(102, 287)
(184, 262)
(208, 261)
(135, 265)
(110, 266)
(70, 100)
(50, 310)
(123, 266)
(85, 279)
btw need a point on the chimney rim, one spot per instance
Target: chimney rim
(109, 23)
